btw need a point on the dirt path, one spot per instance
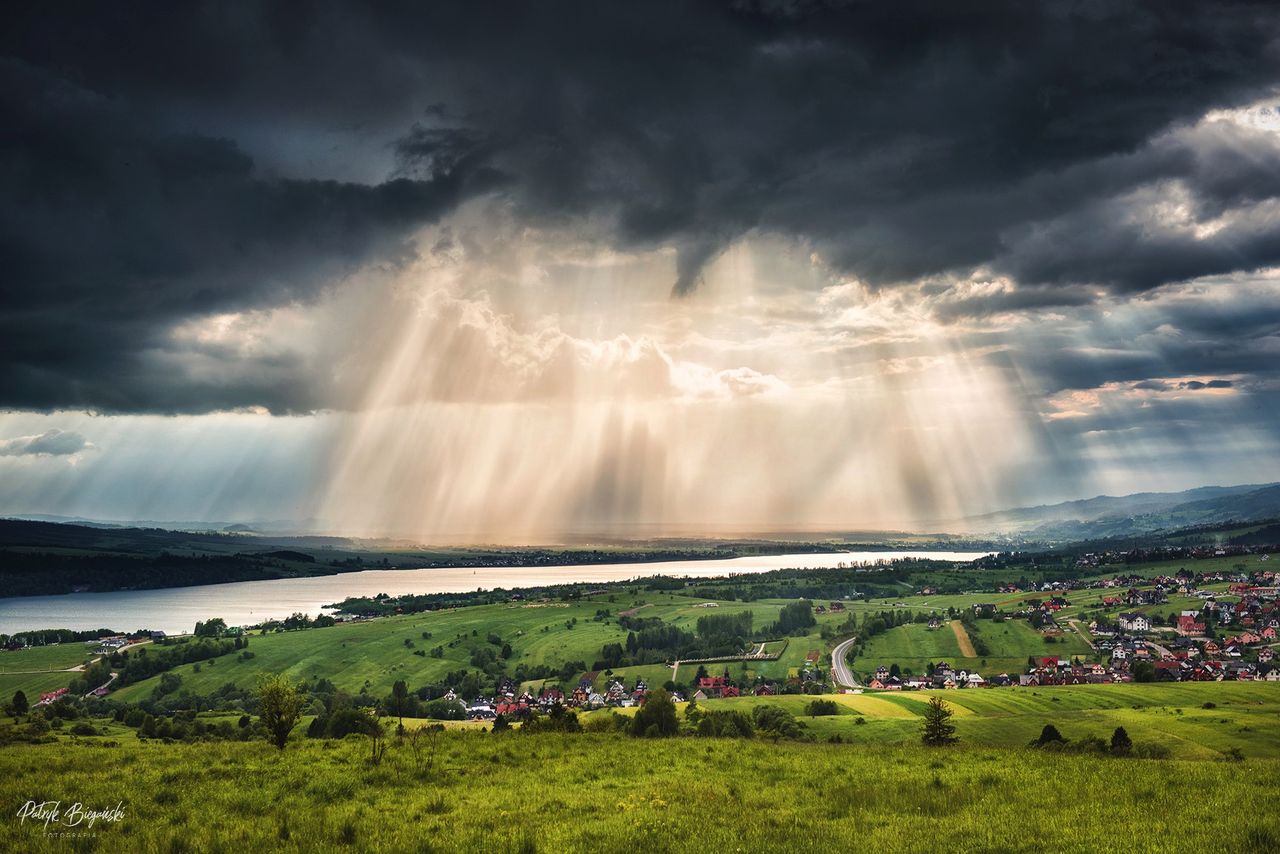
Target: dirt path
(962, 638)
(1075, 624)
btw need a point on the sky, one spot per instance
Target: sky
(519, 271)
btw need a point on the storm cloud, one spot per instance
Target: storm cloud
(165, 163)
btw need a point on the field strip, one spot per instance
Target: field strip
(962, 638)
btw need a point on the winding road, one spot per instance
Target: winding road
(841, 675)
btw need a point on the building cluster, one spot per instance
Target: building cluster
(509, 704)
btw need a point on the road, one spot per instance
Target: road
(841, 675)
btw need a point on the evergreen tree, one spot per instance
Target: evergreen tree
(1120, 741)
(938, 729)
(20, 704)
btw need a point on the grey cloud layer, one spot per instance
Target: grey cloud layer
(51, 443)
(900, 140)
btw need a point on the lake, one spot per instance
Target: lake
(176, 609)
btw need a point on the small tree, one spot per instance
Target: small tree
(20, 704)
(399, 697)
(938, 729)
(1120, 742)
(279, 706)
(1048, 734)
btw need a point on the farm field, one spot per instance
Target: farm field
(58, 656)
(913, 646)
(1245, 715)
(519, 792)
(374, 654)
(33, 684)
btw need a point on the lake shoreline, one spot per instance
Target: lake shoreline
(176, 609)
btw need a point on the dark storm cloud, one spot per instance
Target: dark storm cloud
(900, 140)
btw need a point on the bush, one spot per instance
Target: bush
(1049, 734)
(822, 708)
(777, 722)
(1151, 751)
(83, 728)
(726, 724)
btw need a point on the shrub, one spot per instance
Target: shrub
(1049, 734)
(729, 723)
(822, 708)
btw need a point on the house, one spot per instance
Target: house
(715, 686)
(1187, 625)
(975, 680)
(935, 623)
(1134, 621)
(1266, 654)
(51, 697)
(158, 635)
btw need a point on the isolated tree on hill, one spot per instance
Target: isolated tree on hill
(1050, 733)
(657, 717)
(1120, 741)
(20, 704)
(279, 706)
(399, 697)
(938, 729)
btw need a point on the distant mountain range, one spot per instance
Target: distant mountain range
(1111, 516)
(1070, 521)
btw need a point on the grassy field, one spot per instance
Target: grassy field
(1245, 715)
(577, 793)
(52, 657)
(374, 653)
(914, 645)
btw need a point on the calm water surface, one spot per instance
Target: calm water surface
(176, 610)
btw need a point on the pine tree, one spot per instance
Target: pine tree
(938, 729)
(1120, 741)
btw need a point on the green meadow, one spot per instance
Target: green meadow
(913, 646)
(527, 793)
(376, 653)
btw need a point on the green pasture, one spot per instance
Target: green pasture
(518, 792)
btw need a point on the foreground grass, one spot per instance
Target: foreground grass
(601, 792)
